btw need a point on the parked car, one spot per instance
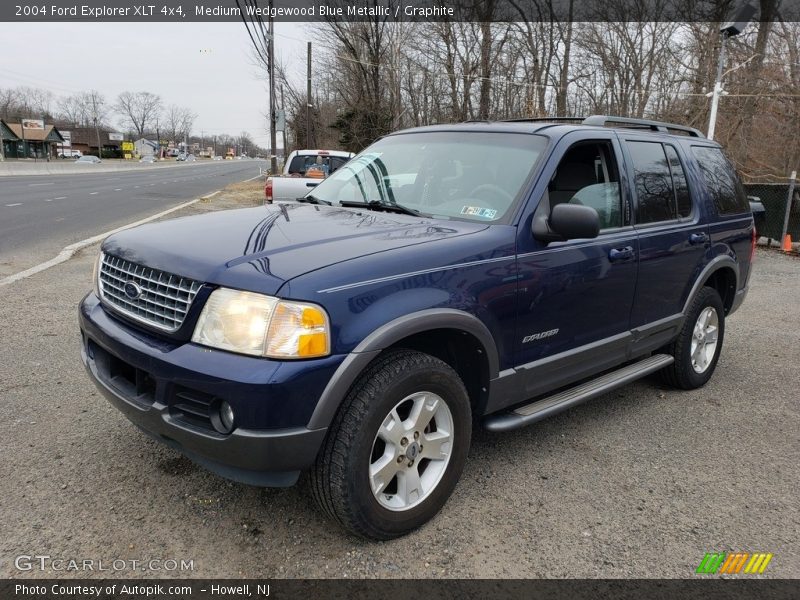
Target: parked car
(759, 212)
(70, 154)
(491, 272)
(217, 157)
(303, 171)
(148, 159)
(88, 159)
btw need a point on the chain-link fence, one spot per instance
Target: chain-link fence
(774, 196)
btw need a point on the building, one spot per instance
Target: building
(144, 147)
(85, 140)
(31, 139)
(8, 141)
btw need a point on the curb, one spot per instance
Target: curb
(69, 251)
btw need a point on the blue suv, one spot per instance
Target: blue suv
(485, 272)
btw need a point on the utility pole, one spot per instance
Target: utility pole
(158, 141)
(712, 119)
(729, 29)
(283, 108)
(273, 168)
(96, 126)
(308, 100)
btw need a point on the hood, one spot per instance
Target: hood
(261, 248)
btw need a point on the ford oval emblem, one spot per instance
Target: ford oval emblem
(132, 290)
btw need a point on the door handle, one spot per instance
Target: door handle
(698, 238)
(620, 253)
(309, 184)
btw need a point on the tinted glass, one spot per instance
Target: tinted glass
(682, 197)
(464, 175)
(653, 182)
(721, 180)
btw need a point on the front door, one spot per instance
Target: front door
(575, 296)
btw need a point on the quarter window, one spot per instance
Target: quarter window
(721, 180)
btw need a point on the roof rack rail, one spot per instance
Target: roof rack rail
(541, 119)
(603, 120)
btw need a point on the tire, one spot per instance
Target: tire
(384, 400)
(688, 372)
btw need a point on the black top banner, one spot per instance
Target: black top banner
(140, 11)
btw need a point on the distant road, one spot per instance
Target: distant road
(39, 215)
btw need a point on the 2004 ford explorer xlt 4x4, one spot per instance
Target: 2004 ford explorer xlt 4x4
(484, 272)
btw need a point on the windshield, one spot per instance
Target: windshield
(464, 175)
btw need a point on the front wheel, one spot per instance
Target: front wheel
(698, 345)
(396, 449)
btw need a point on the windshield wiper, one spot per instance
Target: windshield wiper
(312, 199)
(386, 206)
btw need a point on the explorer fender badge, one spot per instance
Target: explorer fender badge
(539, 336)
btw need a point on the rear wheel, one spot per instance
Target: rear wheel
(698, 346)
(396, 449)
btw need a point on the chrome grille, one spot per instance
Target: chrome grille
(163, 301)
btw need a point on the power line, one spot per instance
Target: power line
(252, 39)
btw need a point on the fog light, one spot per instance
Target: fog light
(223, 418)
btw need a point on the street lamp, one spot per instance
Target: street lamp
(729, 29)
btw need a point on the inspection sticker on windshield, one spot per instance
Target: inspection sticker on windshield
(477, 211)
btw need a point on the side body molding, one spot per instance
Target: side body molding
(391, 333)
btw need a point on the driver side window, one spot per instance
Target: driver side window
(588, 175)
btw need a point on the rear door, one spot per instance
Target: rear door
(673, 231)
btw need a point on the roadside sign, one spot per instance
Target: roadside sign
(116, 137)
(32, 124)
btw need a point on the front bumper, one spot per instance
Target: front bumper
(149, 380)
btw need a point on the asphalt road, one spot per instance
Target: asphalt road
(641, 482)
(39, 215)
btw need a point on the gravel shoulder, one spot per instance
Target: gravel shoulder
(639, 483)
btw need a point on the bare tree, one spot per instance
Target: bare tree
(139, 110)
(177, 122)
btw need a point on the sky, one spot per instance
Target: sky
(220, 85)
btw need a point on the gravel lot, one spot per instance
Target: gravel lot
(640, 483)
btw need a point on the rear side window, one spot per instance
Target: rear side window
(653, 183)
(721, 180)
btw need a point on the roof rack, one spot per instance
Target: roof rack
(603, 120)
(542, 119)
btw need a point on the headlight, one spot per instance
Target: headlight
(250, 323)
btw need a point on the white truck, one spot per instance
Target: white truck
(303, 171)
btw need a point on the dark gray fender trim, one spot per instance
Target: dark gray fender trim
(716, 263)
(385, 336)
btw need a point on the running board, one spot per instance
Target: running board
(546, 407)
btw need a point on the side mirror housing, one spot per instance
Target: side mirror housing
(567, 222)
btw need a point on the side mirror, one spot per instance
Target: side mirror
(567, 222)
